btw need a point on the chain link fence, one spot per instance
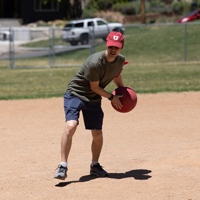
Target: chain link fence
(164, 42)
(45, 48)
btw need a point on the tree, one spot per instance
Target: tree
(143, 19)
(46, 1)
(73, 7)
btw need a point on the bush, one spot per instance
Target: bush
(180, 7)
(119, 1)
(186, 7)
(125, 8)
(137, 5)
(195, 5)
(89, 12)
(156, 3)
(157, 6)
(104, 4)
(177, 7)
(100, 4)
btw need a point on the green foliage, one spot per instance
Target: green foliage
(103, 4)
(181, 7)
(157, 3)
(89, 12)
(128, 10)
(137, 5)
(47, 1)
(177, 7)
(120, 1)
(158, 6)
(195, 5)
(99, 4)
(125, 8)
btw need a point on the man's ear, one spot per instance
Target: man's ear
(122, 47)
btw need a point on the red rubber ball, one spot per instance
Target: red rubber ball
(129, 99)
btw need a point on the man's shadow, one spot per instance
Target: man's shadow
(138, 174)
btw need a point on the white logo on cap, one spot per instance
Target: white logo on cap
(115, 37)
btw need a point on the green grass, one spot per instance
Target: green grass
(152, 78)
(33, 83)
(44, 43)
(161, 43)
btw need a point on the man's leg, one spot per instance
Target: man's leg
(66, 143)
(97, 144)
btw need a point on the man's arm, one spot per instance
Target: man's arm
(118, 81)
(95, 88)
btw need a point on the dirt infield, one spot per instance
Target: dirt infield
(151, 153)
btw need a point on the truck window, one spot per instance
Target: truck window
(90, 23)
(68, 25)
(99, 22)
(79, 25)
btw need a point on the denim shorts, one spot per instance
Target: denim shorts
(92, 112)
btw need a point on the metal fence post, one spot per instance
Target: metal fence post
(50, 47)
(11, 48)
(53, 45)
(185, 44)
(92, 41)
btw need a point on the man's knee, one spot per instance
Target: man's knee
(70, 128)
(97, 135)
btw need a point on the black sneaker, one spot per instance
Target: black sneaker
(61, 173)
(97, 170)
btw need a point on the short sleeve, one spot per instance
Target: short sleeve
(119, 73)
(125, 63)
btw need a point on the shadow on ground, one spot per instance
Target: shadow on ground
(138, 174)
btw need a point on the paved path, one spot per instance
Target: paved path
(39, 52)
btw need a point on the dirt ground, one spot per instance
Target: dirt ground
(151, 153)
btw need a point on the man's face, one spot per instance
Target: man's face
(113, 52)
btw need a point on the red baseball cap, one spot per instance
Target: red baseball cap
(115, 39)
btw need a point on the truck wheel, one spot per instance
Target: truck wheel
(84, 39)
(118, 30)
(73, 43)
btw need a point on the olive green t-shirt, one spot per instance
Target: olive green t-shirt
(95, 68)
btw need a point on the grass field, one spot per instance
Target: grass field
(152, 51)
(143, 78)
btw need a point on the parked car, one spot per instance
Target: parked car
(80, 30)
(190, 17)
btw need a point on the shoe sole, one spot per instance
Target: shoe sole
(60, 177)
(95, 174)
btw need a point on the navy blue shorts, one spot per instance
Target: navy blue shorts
(92, 112)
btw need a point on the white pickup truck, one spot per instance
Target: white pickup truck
(82, 30)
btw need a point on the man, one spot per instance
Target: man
(84, 92)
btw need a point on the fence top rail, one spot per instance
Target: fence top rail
(127, 25)
(161, 24)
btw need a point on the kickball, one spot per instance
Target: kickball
(129, 99)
